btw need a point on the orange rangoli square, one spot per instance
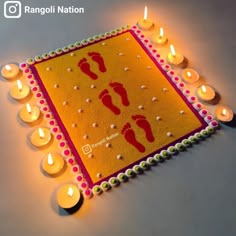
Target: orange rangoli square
(115, 103)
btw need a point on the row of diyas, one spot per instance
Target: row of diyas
(206, 93)
(68, 195)
(174, 58)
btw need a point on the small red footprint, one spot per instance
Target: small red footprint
(130, 137)
(107, 101)
(98, 58)
(118, 88)
(142, 122)
(85, 68)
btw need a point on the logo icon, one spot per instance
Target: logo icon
(12, 9)
(86, 149)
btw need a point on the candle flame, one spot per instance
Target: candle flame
(19, 85)
(70, 191)
(172, 50)
(8, 68)
(28, 108)
(145, 13)
(204, 89)
(50, 160)
(189, 74)
(161, 32)
(41, 133)
(224, 112)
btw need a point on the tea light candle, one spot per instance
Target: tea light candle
(41, 137)
(68, 196)
(10, 71)
(19, 91)
(29, 114)
(145, 23)
(206, 93)
(190, 76)
(224, 114)
(173, 57)
(159, 38)
(53, 164)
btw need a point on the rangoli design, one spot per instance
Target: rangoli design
(115, 107)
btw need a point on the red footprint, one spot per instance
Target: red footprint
(107, 101)
(118, 88)
(144, 124)
(130, 137)
(85, 67)
(98, 58)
